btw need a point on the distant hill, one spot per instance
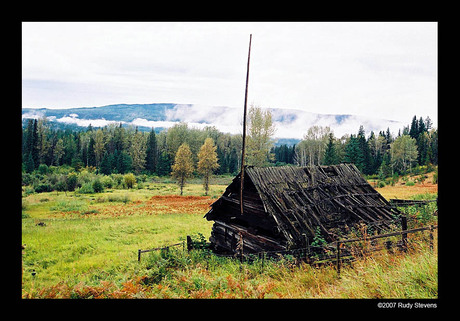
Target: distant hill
(290, 123)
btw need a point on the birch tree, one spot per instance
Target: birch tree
(404, 152)
(259, 139)
(310, 151)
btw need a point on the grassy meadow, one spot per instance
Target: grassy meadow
(85, 246)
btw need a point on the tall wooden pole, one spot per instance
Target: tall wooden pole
(244, 127)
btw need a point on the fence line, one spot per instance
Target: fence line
(139, 252)
(304, 252)
(403, 234)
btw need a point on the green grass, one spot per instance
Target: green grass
(82, 252)
(76, 244)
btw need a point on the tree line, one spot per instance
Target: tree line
(383, 154)
(115, 149)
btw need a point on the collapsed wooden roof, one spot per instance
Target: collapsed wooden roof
(282, 205)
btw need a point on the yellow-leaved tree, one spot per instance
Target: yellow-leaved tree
(207, 162)
(183, 165)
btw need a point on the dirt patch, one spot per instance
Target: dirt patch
(160, 204)
(182, 204)
(406, 192)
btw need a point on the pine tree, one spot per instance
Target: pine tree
(151, 153)
(353, 154)
(124, 162)
(106, 164)
(330, 156)
(413, 131)
(207, 162)
(29, 163)
(366, 165)
(183, 165)
(91, 156)
(163, 164)
(98, 147)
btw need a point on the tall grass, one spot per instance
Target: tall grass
(199, 274)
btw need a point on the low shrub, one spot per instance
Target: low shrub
(86, 188)
(98, 187)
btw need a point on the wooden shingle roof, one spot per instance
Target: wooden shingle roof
(301, 198)
(290, 203)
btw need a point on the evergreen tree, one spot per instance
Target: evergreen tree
(91, 156)
(365, 152)
(107, 164)
(31, 150)
(151, 153)
(222, 160)
(124, 162)
(98, 147)
(207, 162)
(353, 154)
(434, 147)
(183, 166)
(413, 131)
(29, 163)
(163, 164)
(330, 156)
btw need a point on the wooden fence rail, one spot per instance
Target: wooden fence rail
(337, 244)
(403, 234)
(139, 252)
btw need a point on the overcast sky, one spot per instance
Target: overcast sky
(385, 70)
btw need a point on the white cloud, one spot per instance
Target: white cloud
(34, 114)
(72, 119)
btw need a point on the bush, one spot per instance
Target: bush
(27, 179)
(107, 181)
(43, 169)
(86, 188)
(130, 180)
(85, 177)
(71, 181)
(98, 187)
(43, 187)
(61, 184)
(117, 179)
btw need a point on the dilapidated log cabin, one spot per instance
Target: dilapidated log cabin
(285, 206)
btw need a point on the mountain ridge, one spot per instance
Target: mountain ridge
(290, 123)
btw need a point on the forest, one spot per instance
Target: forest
(115, 150)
